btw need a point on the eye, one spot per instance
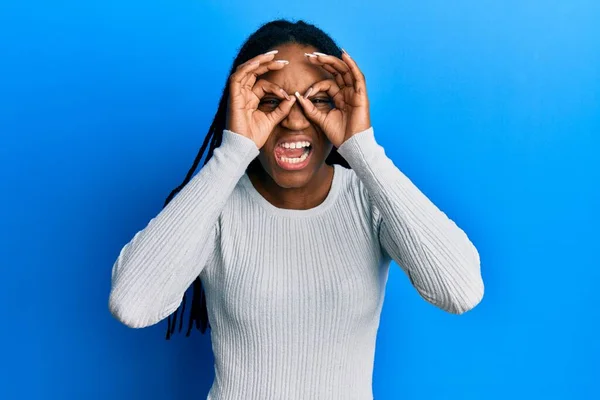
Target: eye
(320, 101)
(270, 102)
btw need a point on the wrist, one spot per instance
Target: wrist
(354, 133)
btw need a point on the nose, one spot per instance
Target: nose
(296, 120)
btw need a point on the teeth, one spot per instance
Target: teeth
(295, 160)
(295, 145)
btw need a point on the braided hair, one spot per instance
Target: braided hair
(268, 36)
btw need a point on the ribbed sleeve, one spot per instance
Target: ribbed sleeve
(294, 296)
(440, 260)
(161, 261)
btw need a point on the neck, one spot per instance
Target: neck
(295, 198)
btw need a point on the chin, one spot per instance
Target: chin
(293, 179)
(289, 179)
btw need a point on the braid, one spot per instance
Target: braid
(269, 35)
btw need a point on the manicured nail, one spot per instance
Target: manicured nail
(346, 53)
(282, 61)
(287, 97)
(319, 54)
(308, 92)
(297, 95)
(271, 52)
(309, 55)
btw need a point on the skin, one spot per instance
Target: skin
(273, 107)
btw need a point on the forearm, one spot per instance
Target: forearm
(441, 261)
(155, 268)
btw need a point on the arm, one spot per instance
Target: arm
(438, 257)
(153, 270)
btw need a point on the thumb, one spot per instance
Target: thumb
(309, 108)
(282, 110)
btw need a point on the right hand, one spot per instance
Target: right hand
(245, 93)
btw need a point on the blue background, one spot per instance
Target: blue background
(491, 107)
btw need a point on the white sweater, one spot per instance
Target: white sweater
(294, 296)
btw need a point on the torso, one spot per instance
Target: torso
(296, 290)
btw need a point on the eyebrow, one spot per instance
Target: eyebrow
(291, 94)
(279, 96)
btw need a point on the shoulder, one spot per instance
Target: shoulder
(353, 190)
(351, 186)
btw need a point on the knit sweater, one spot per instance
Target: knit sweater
(294, 296)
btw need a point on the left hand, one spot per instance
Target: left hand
(348, 91)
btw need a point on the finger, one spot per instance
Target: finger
(339, 67)
(253, 75)
(263, 87)
(244, 69)
(282, 110)
(330, 87)
(311, 112)
(339, 79)
(359, 77)
(259, 58)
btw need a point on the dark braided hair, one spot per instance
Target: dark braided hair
(268, 36)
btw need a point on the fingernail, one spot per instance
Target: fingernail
(308, 92)
(297, 95)
(319, 54)
(287, 97)
(282, 61)
(271, 52)
(309, 55)
(346, 53)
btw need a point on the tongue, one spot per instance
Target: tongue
(289, 153)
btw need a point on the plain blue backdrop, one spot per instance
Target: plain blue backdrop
(491, 107)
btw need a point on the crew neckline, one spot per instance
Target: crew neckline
(288, 212)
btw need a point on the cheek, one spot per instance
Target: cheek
(266, 156)
(326, 145)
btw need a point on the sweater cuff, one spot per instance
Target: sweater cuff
(235, 143)
(239, 149)
(360, 148)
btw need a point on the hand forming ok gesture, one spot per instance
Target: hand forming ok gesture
(245, 93)
(349, 93)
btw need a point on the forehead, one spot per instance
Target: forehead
(299, 74)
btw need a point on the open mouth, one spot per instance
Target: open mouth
(293, 159)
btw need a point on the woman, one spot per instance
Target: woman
(291, 226)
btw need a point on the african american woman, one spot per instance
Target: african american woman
(287, 232)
